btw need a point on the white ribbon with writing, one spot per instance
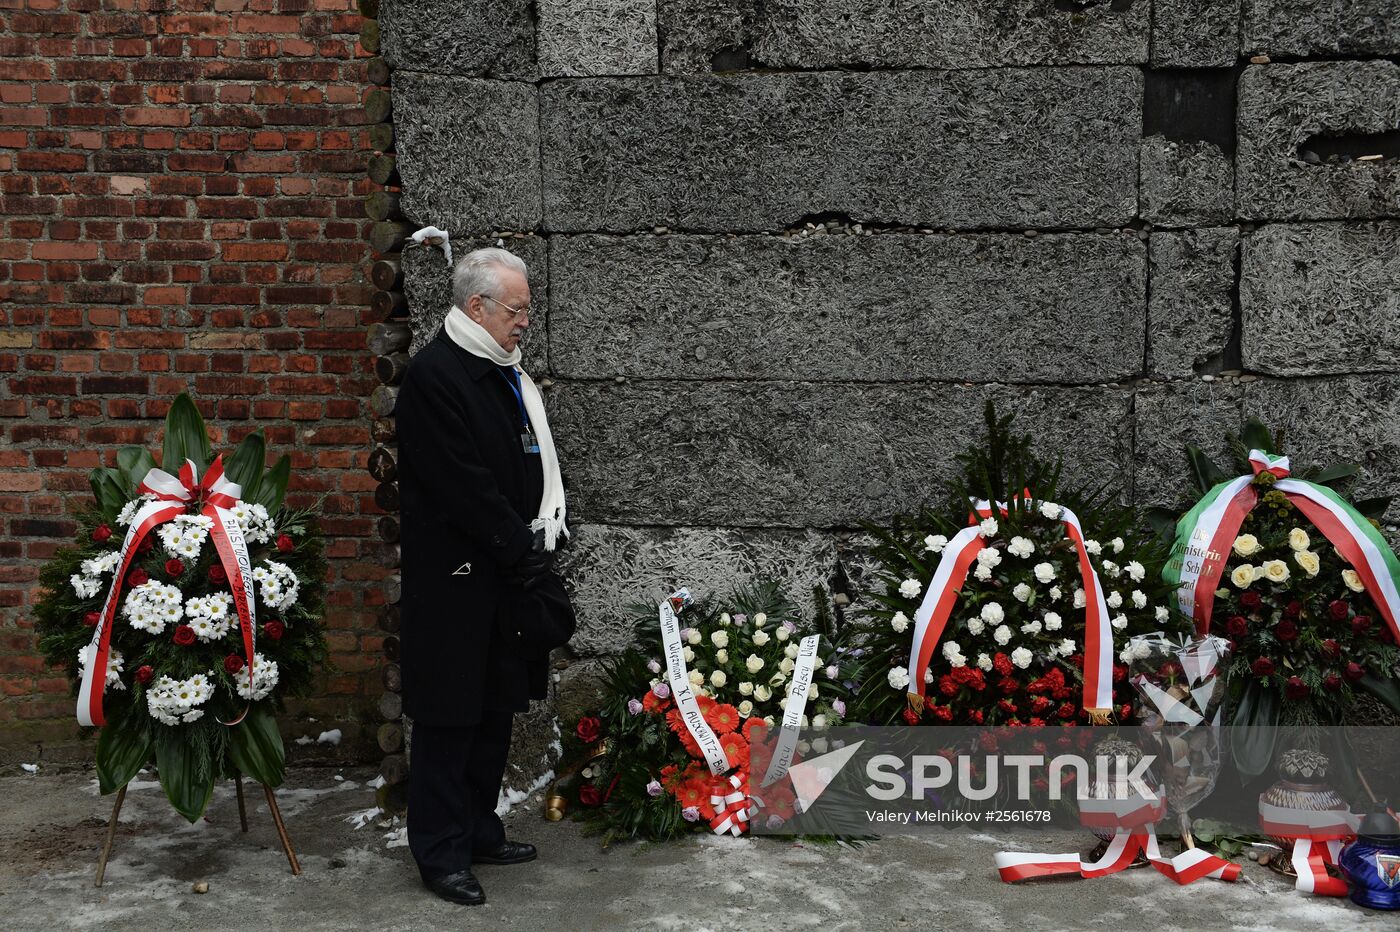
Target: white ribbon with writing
(796, 706)
(678, 678)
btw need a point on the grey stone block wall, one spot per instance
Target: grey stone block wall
(787, 250)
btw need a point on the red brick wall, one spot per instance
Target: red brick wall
(181, 187)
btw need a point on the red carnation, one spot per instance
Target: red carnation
(1059, 694)
(1008, 685)
(217, 576)
(589, 729)
(1332, 682)
(284, 543)
(174, 567)
(1295, 688)
(137, 577)
(1293, 609)
(1007, 706)
(184, 635)
(1251, 601)
(943, 713)
(1039, 704)
(1127, 711)
(1067, 711)
(590, 795)
(1361, 624)
(1034, 722)
(1237, 626)
(1262, 667)
(91, 619)
(233, 663)
(274, 629)
(910, 716)
(1338, 609)
(946, 686)
(1120, 672)
(146, 545)
(1354, 671)
(1077, 660)
(975, 716)
(101, 533)
(1331, 649)
(1286, 631)
(144, 675)
(1002, 664)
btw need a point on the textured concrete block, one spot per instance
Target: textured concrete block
(427, 281)
(597, 37)
(611, 570)
(979, 308)
(1346, 419)
(468, 152)
(1192, 305)
(700, 36)
(795, 454)
(1321, 298)
(480, 37)
(1004, 148)
(1186, 183)
(1195, 33)
(1281, 107)
(1307, 27)
(1166, 419)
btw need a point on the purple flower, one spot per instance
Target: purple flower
(832, 672)
(661, 691)
(654, 788)
(839, 707)
(690, 814)
(685, 634)
(790, 626)
(774, 822)
(633, 706)
(740, 619)
(653, 666)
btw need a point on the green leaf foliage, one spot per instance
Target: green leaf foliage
(124, 746)
(273, 488)
(1253, 747)
(107, 488)
(185, 437)
(133, 463)
(255, 747)
(245, 465)
(187, 779)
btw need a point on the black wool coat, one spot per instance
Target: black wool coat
(467, 493)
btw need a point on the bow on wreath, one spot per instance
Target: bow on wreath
(214, 495)
(958, 556)
(732, 808)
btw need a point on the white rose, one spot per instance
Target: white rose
(992, 613)
(1020, 547)
(696, 678)
(1114, 599)
(1139, 599)
(819, 722)
(1002, 635)
(898, 677)
(812, 690)
(760, 619)
(782, 634)
(1031, 627)
(1022, 591)
(754, 663)
(1021, 657)
(910, 589)
(975, 626)
(746, 708)
(760, 638)
(1052, 621)
(899, 622)
(984, 662)
(1308, 561)
(1247, 545)
(1298, 539)
(720, 639)
(935, 543)
(724, 619)
(762, 693)
(790, 651)
(688, 654)
(1136, 571)
(718, 679)
(746, 689)
(988, 527)
(1276, 571)
(1242, 576)
(693, 636)
(1050, 510)
(786, 665)
(1353, 581)
(777, 679)
(1044, 572)
(721, 656)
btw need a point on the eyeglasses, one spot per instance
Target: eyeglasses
(515, 313)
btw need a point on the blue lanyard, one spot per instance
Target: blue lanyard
(513, 380)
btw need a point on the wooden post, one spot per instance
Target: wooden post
(378, 105)
(242, 807)
(111, 835)
(377, 71)
(386, 274)
(389, 303)
(388, 236)
(382, 205)
(382, 399)
(281, 830)
(381, 137)
(369, 36)
(389, 336)
(383, 169)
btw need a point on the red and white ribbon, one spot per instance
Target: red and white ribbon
(959, 553)
(172, 497)
(1318, 836)
(678, 678)
(731, 808)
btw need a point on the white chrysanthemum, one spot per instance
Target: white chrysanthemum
(1020, 547)
(1050, 510)
(103, 564)
(935, 543)
(1114, 599)
(1031, 627)
(279, 588)
(85, 586)
(987, 527)
(984, 662)
(1022, 592)
(1002, 635)
(898, 678)
(910, 588)
(899, 622)
(1044, 572)
(992, 613)
(1021, 657)
(264, 679)
(172, 701)
(1053, 621)
(975, 626)
(1136, 571)
(128, 512)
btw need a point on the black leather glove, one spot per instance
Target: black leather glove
(532, 567)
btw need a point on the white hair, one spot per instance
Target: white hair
(479, 272)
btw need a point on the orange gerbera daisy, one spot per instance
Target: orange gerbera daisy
(722, 717)
(653, 703)
(753, 723)
(693, 793)
(735, 748)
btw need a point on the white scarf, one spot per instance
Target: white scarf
(473, 338)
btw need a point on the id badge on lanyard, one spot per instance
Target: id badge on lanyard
(529, 443)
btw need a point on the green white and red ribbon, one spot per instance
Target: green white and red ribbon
(1318, 836)
(1134, 819)
(678, 678)
(1206, 533)
(959, 554)
(173, 495)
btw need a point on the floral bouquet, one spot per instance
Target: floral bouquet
(641, 768)
(1300, 581)
(1003, 609)
(189, 608)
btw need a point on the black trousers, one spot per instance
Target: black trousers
(454, 782)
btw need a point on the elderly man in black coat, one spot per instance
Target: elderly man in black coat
(482, 513)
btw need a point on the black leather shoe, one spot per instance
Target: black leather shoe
(509, 852)
(461, 887)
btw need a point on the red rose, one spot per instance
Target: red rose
(1361, 624)
(146, 544)
(184, 635)
(1262, 667)
(1120, 672)
(91, 619)
(174, 567)
(284, 543)
(137, 577)
(1385, 636)
(1354, 671)
(144, 675)
(217, 576)
(1237, 626)
(1286, 631)
(233, 663)
(1295, 688)
(590, 795)
(1332, 682)
(1338, 609)
(101, 533)
(910, 716)
(1293, 609)
(1331, 649)
(589, 729)
(274, 629)
(1127, 711)
(1251, 601)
